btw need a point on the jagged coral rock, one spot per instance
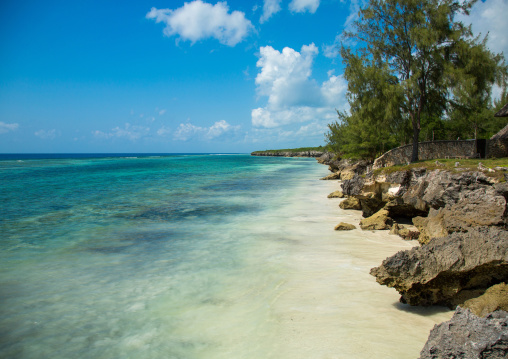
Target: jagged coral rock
(468, 336)
(448, 270)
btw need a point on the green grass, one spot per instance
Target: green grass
(449, 164)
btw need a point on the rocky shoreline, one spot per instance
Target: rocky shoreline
(313, 154)
(460, 219)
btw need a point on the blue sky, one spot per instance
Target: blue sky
(175, 76)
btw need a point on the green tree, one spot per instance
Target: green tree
(370, 128)
(415, 41)
(475, 70)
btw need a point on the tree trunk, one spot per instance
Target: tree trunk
(416, 134)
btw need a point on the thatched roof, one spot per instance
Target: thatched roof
(502, 112)
(503, 134)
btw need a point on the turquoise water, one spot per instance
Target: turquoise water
(192, 257)
(137, 257)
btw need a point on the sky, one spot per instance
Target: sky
(154, 76)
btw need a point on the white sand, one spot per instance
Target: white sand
(330, 307)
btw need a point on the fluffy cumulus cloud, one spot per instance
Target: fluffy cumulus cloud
(304, 5)
(285, 76)
(293, 96)
(6, 127)
(199, 20)
(128, 131)
(47, 134)
(489, 17)
(270, 7)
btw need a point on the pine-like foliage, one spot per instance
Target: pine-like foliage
(410, 68)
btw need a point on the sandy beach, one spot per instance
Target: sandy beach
(330, 307)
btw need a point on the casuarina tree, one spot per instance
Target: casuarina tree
(413, 49)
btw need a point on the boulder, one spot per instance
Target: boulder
(342, 226)
(495, 298)
(350, 203)
(449, 270)
(336, 194)
(379, 220)
(468, 336)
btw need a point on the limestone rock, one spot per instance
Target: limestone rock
(370, 205)
(336, 194)
(379, 220)
(347, 169)
(468, 336)
(350, 203)
(397, 208)
(495, 298)
(331, 176)
(437, 189)
(459, 217)
(408, 235)
(325, 158)
(342, 226)
(396, 228)
(430, 227)
(353, 186)
(448, 270)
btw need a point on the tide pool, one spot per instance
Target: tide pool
(191, 256)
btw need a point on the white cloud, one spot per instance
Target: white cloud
(219, 128)
(304, 5)
(6, 127)
(198, 20)
(308, 134)
(129, 132)
(490, 17)
(162, 112)
(163, 131)
(285, 76)
(188, 131)
(293, 96)
(331, 51)
(264, 117)
(47, 134)
(334, 89)
(270, 7)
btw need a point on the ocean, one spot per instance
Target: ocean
(191, 256)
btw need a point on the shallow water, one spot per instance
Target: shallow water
(192, 257)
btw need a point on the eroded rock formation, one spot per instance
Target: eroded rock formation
(469, 336)
(449, 270)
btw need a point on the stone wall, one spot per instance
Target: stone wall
(427, 151)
